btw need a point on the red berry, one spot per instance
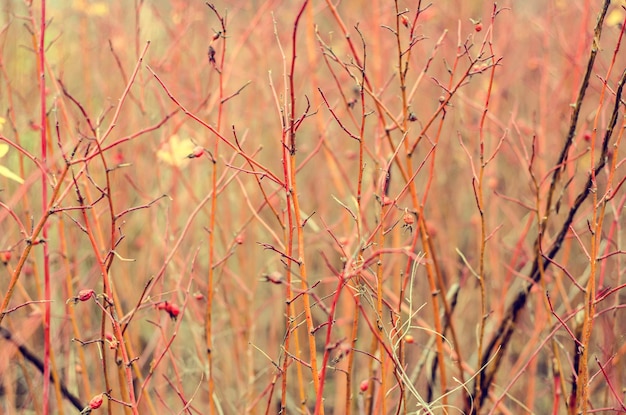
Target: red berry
(409, 219)
(5, 257)
(173, 310)
(478, 27)
(409, 339)
(404, 20)
(431, 229)
(84, 295)
(118, 157)
(196, 152)
(364, 385)
(111, 340)
(96, 401)
(386, 201)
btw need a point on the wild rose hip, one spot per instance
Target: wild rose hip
(5, 257)
(404, 20)
(408, 219)
(386, 201)
(84, 295)
(364, 385)
(196, 152)
(173, 310)
(96, 401)
(111, 340)
(163, 305)
(478, 26)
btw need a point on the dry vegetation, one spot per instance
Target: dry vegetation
(268, 207)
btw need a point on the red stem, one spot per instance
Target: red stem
(44, 204)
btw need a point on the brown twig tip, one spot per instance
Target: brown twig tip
(270, 247)
(274, 278)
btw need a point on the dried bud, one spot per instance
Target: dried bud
(211, 54)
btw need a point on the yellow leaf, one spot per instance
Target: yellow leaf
(175, 151)
(97, 8)
(615, 17)
(10, 175)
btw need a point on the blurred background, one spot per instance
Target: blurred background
(161, 200)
